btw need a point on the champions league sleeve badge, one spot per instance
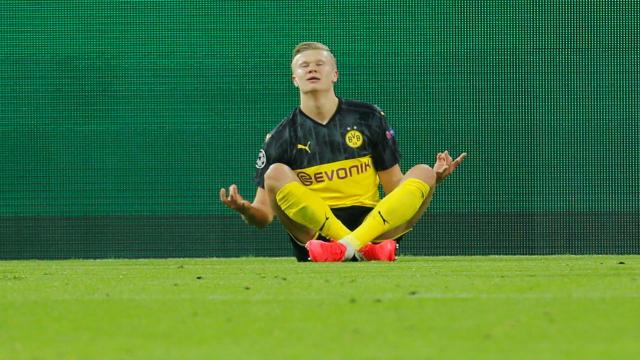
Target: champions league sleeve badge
(262, 159)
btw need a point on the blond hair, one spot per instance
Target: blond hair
(310, 45)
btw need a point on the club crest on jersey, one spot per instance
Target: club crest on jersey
(354, 138)
(262, 159)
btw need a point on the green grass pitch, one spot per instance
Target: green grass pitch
(555, 307)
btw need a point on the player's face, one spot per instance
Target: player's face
(314, 70)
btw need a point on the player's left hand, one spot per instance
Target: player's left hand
(445, 165)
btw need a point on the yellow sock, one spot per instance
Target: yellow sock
(394, 210)
(308, 209)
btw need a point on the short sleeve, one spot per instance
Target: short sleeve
(384, 148)
(271, 153)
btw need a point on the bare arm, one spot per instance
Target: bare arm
(390, 178)
(258, 213)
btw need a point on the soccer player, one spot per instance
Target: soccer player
(319, 170)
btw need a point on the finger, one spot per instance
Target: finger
(233, 192)
(447, 157)
(458, 161)
(460, 158)
(224, 199)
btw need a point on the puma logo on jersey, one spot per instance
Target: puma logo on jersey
(303, 147)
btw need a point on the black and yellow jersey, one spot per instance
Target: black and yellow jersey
(338, 160)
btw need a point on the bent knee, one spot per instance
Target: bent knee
(425, 173)
(278, 175)
(277, 170)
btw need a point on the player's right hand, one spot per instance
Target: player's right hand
(234, 200)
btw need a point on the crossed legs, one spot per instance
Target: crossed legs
(304, 214)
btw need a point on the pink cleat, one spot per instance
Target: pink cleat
(383, 251)
(321, 251)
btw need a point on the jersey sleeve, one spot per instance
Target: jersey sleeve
(384, 148)
(272, 152)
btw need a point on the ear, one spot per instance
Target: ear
(293, 79)
(335, 76)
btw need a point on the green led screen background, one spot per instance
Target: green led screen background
(121, 120)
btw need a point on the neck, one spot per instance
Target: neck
(319, 106)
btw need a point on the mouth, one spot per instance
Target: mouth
(313, 79)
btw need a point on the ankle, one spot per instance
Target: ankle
(350, 250)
